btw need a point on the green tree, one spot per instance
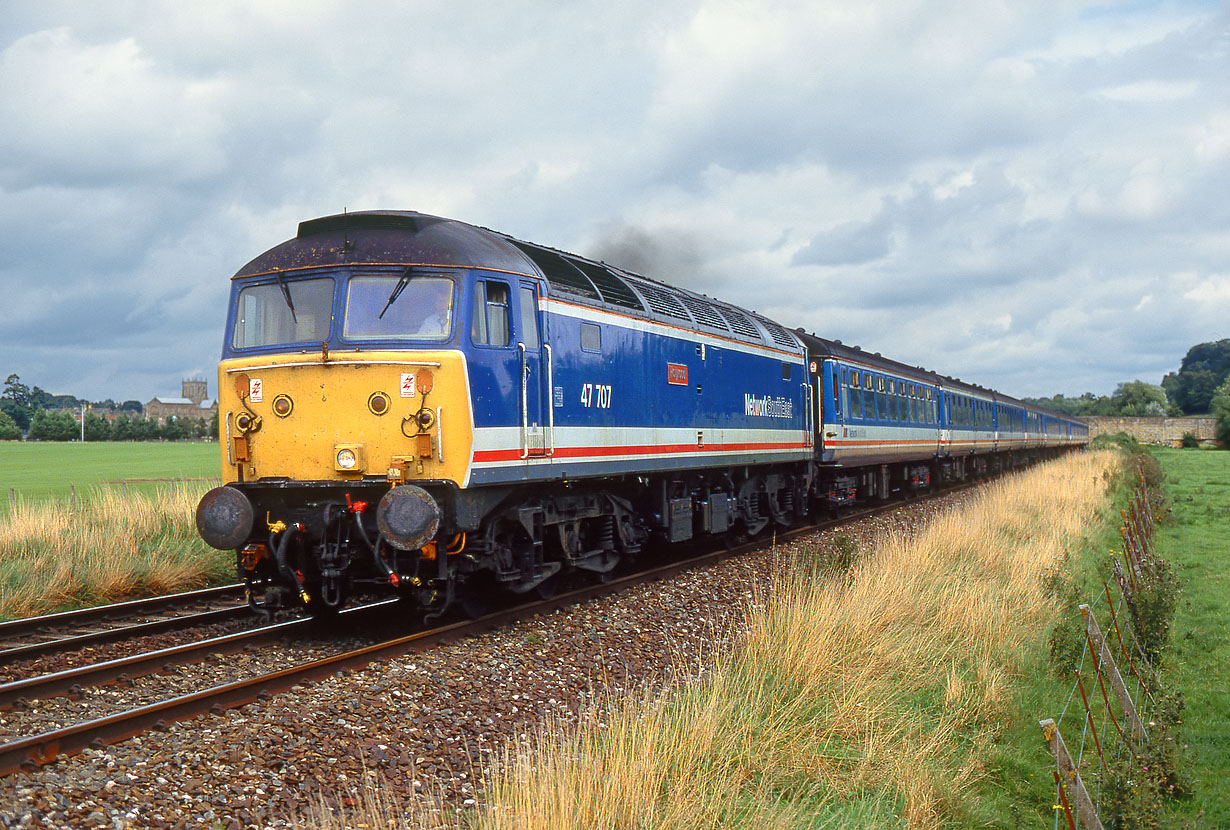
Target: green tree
(1204, 368)
(97, 428)
(53, 426)
(15, 402)
(16, 391)
(121, 428)
(18, 413)
(173, 429)
(144, 429)
(9, 431)
(1219, 405)
(1139, 398)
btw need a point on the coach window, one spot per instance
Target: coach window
(591, 338)
(490, 325)
(854, 398)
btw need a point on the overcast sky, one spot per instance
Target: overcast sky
(1034, 195)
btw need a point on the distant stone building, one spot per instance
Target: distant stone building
(192, 404)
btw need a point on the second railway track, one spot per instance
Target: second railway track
(26, 639)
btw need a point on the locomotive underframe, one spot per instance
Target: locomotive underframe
(321, 538)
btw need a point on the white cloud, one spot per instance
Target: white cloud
(1030, 195)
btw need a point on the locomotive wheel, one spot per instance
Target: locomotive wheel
(548, 588)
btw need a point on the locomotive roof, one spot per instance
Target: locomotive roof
(395, 237)
(408, 237)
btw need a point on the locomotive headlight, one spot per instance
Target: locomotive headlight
(348, 458)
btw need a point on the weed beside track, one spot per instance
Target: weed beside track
(867, 697)
(103, 547)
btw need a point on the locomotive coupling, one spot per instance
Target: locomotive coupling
(408, 517)
(224, 518)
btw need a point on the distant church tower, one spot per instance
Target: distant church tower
(196, 390)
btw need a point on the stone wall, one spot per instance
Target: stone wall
(1162, 431)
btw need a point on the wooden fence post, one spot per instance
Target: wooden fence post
(1084, 805)
(1106, 665)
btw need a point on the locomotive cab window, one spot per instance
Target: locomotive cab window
(490, 323)
(392, 306)
(289, 311)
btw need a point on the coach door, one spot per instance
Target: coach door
(535, 354)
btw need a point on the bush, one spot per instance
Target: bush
(1190, 441)
(1120, 439)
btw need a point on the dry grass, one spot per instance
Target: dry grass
(108, 547)
(864, 698)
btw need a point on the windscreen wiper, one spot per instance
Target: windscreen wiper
(286, 294)
(397, 289)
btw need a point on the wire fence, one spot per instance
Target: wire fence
(1105, 729)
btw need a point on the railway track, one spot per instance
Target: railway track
(34, 637)
(47, 746)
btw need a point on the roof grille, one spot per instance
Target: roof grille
(561, 274)
(780, 335)
(704, 313)
(613, 290)
(661, 301)
(740, 324)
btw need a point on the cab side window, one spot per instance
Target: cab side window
(529, 318)
(490, 324)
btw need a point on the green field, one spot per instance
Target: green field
(1196, 541)
(37, 471)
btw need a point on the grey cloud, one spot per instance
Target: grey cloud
(987, 190)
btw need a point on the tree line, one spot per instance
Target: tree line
(39, 416)
(1201, 386)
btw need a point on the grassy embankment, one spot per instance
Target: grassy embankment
(1197, 542)
(106, 545)
(903, 692)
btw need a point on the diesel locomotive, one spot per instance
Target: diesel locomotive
(417, 405)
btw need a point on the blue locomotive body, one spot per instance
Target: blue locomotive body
(520, 413)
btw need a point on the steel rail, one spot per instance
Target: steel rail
(104, 613)
(110, 635)
(72, 681)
